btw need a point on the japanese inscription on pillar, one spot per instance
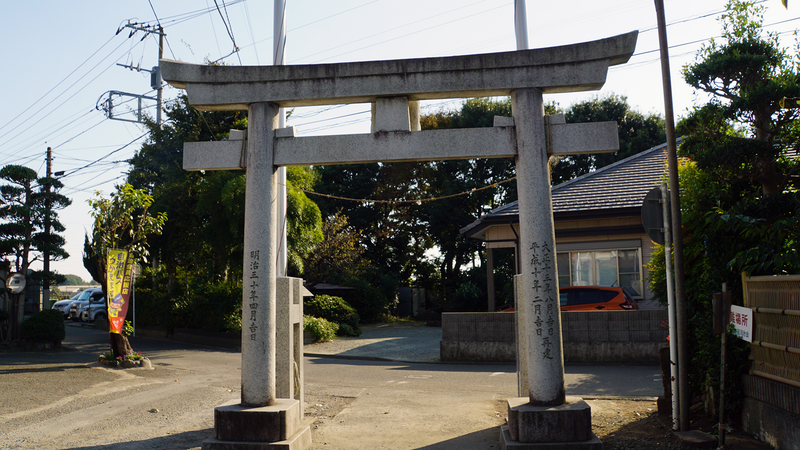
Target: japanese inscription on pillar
(544, 302)
(253, 286)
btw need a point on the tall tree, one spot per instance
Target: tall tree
(192, 237)
(461, 183)
(739, 183)
(304, 219)
(743, 132)
(26, 204)
(637, 132)
(122, 221)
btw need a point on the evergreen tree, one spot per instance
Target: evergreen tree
(739, 183)
(26, 204)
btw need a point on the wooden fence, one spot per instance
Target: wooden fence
(775, 349)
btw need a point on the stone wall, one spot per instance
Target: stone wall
(588, 336)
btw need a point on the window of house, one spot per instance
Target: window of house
(601, 268)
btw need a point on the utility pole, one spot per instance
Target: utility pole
(46, 252)
(681, 326)
(155, 77)
(279, 59)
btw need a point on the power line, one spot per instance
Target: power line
(229, 29)
(57, 85)
(72, 172)
(408, 34)
(65, 101)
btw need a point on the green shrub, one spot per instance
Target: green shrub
(368, 300)
(321, 329)
(334, 309)
(346, 330)
(47, 325)
(194, 302)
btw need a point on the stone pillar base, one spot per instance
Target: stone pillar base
(567, 426)
(274, 427)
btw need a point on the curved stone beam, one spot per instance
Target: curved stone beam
(567, 68)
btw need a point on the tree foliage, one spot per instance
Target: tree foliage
(738, 183)
(28, 207)
(207, 216)
(637, 132)
(746, 144)
(26, 204)
(122, 221)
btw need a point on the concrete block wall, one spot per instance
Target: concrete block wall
(588, 336)
(771, 411)
(478, 337)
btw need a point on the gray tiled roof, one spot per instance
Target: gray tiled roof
(618, 186)
(622, 184)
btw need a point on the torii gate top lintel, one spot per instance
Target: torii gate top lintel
(567, 68)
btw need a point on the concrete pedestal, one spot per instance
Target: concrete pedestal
(567, 426)
(278, 426)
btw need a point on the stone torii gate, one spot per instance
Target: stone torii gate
(394, 88)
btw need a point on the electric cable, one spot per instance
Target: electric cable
(54, 87)
(229, 30)
(65, 101)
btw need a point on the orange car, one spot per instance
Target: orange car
(593, 298)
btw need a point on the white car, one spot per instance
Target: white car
(63, 305)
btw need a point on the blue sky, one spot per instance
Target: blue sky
(61, 58)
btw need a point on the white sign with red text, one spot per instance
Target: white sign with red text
(742, 321)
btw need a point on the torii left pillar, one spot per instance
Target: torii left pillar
(260, 420)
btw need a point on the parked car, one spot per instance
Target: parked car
(593, 298)
(63, 305)
(76, 306)
(94, 310)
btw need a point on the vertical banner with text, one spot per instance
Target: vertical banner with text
(119, 288)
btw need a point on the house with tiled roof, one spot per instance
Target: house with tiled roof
(600, 239)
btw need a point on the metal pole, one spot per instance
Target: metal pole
(521, 24)
(681, 334)
(279, 59)
(46, 252)
(673, 350)
(723, 339)
(133, 288)
(160, 90)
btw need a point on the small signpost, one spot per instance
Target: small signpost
(739, 320)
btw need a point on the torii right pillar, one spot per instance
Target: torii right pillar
(547, 418)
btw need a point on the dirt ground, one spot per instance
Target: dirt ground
(619, 423)
(631, 424)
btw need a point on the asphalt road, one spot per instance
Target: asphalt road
(64, 400)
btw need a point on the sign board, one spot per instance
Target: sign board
(653, 216)
(16, 283)
(742, 321)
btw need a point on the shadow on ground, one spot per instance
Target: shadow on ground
(483, 439)
(186, 440)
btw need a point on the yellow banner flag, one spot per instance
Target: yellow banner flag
(119, 276)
